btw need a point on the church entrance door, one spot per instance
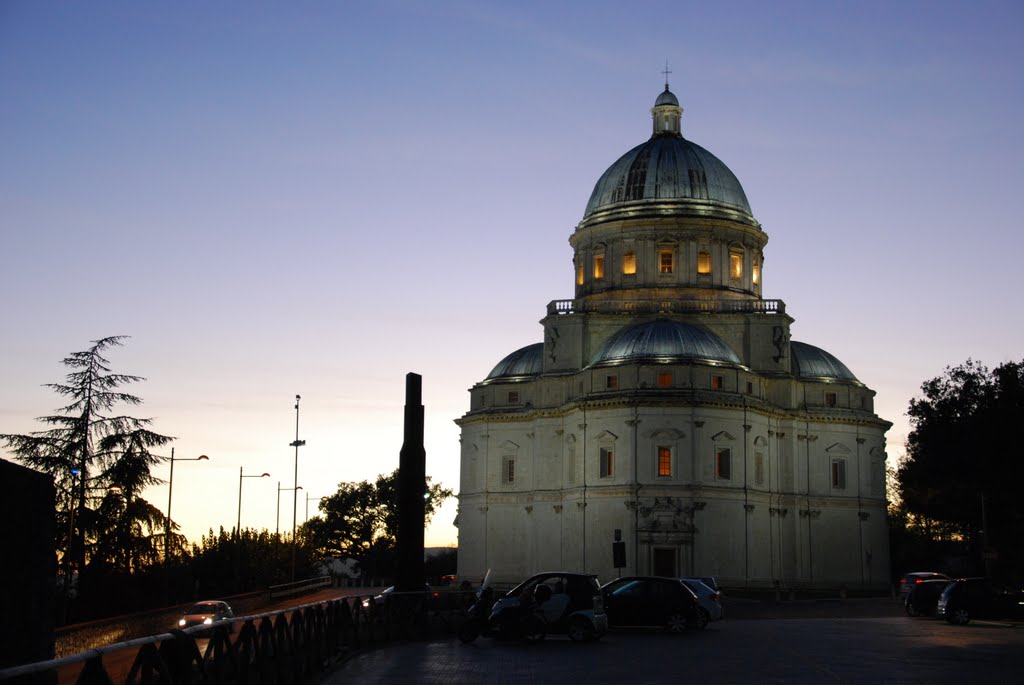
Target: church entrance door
(664, 562)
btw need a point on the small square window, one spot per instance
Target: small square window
(830, 399)
(664, 380)
(629, 264)
(611, 382)
(717, 382)
(599, 266)
(664, 462)
(703, 262)
(513, 397)
(607, 462)
(665, 262)
(723, 463)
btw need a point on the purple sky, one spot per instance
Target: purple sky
(317, 198)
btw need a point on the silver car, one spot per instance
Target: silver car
(205, 613)
(710, 601)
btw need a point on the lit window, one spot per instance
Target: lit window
(735, 266)
(703, 263)
(599, 266)
(665, 262)
(664, 380)
(723, 465)
(839, 474)
(717, 382)
(513, 397)
(629, 264)
(830, 399)
(508, 470)
(611, 382)
(755, 272)
(758, 468)
(579, 274)
(607, 462)
(664, 461)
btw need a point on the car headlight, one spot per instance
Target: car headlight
(182, 622)
(207, 621)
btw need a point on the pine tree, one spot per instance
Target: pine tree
(100, 462)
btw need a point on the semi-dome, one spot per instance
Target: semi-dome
(524, 362)
(664, 341)
(671, 172)
(815, 363)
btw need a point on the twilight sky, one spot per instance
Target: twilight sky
(319, 197)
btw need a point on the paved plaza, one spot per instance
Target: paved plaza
(755, 648)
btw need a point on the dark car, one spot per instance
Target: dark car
(923, 597)
(205, 613)
(651, 601)
(378, 603)
(569, 603)
(969, 598)
(909, 580)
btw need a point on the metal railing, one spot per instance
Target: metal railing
(284, 647)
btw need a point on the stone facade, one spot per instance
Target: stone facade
(668, 406)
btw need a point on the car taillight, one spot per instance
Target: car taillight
(918, 580)
(903, 581)
(714, 597)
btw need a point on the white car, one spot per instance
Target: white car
(205, 614)
(710, 601)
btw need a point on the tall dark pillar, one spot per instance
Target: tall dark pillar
(412, 485)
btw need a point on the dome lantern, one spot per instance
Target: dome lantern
(666, 115)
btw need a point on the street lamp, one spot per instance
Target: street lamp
(170, 489)
(295, 497)
(277, 521)
(238, 526)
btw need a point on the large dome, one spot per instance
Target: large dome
(664, 341)
(668, 173)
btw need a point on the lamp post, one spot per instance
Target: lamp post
(277, 521)
(308, 498)
(170, 489)
(238, 525)
(295, 496)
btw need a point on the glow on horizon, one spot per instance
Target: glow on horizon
(320, 198)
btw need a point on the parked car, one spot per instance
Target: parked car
(569, 603)
(909, 580)
(710, 601)
(923, 597)
(205, 613)
(969, 598)
(652, 601)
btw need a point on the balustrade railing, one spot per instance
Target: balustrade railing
(669, 306)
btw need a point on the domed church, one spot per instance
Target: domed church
(668, 410)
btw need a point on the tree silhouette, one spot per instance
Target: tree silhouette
(100, 463)
(360, 522)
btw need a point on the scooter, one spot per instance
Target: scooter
(506, 618)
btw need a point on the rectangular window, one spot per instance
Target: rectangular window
(839, 474)
(755, 272)
(665, 262)
(750, 388)
(599, 266)
(664, 380)
(611, 382)
(607, 462)
(758, 468)
(717, 382)
(723, 463)
(830, 399)
(629, 264)
(508, 470)
(664, 462)
(513, 397)
(735, 266)
(703, 263)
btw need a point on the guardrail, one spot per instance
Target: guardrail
(286, 646)
(297, 588)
